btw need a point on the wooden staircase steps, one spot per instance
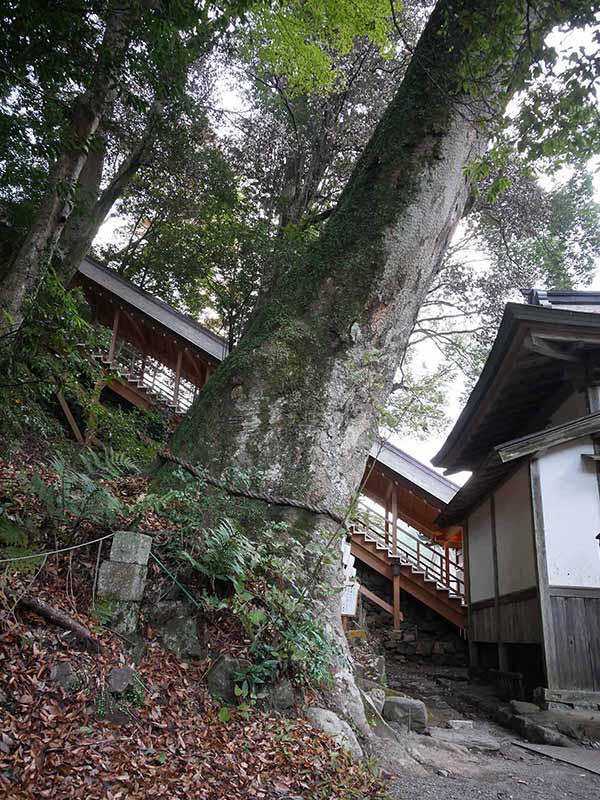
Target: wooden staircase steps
(414, 578)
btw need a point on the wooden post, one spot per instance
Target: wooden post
(70, 418)
(177, 378)
(394, 522)
(113, 341)
(447, 563)
(396, 587)
(539, 541)
(388, 511)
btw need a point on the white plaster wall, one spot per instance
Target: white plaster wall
(481, 556)
(571, 511)
(575, 406)
(514, 533)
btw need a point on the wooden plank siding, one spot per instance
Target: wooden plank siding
(515, 617)
(576, 622)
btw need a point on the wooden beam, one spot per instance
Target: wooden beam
(559, 434)
(70, 418)
(397, 612)
(394, 522)
(541, 564)
(129, 393)
(419, 525)
(543, 347)
(376, 599)
(501, 648)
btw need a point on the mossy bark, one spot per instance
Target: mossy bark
(298, 400)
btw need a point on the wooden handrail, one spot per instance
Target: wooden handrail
(436, 564)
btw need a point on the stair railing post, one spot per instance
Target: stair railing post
(394, 522)
(177, 379)
(396, 588)
(447, 563)
(113, 341)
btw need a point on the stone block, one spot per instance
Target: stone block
(120, 679)
(406, 712)
(521, 707)
(123, 582)
(337, 728)
(221, 678)
(175, 622)
(460, 724)
(282, 696)
(130, 547)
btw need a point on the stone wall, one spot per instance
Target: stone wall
(423, 635)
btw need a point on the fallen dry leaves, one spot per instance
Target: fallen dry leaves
(55, 744)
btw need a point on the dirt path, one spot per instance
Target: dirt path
(478, 764)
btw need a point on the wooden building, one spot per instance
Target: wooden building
(159, 357)
(530, 434)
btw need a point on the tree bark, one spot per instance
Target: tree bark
(298, 400)
(23, 279)
(84, 223)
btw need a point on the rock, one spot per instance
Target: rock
(175, 623)
(461, 724)
(63, 674)
(471, 739)
(282, 695)
(377, 697)
(125, 617)
(337, 728)
(130, 547)
(520, 707)
(220, 678)
(118, 581)
(120, 679)
(406, 712)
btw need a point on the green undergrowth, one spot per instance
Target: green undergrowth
(54, 352)
(260, 571)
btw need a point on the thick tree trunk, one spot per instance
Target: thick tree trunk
(298, 400)
(24, 277)
(84, 223)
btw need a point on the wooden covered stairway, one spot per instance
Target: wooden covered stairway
(429, 572)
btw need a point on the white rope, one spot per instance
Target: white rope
(54, 552)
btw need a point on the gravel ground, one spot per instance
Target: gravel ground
(456, 772)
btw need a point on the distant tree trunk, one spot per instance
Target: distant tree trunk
(298, 399)
(85, 221)
(23, 279)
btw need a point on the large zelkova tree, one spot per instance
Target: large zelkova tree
(297, 402)
(132, 64)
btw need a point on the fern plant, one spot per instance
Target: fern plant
(14, 540)
(225, 557)
(108, 463)
(75, 497)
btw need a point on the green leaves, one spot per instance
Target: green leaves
(298, 39)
